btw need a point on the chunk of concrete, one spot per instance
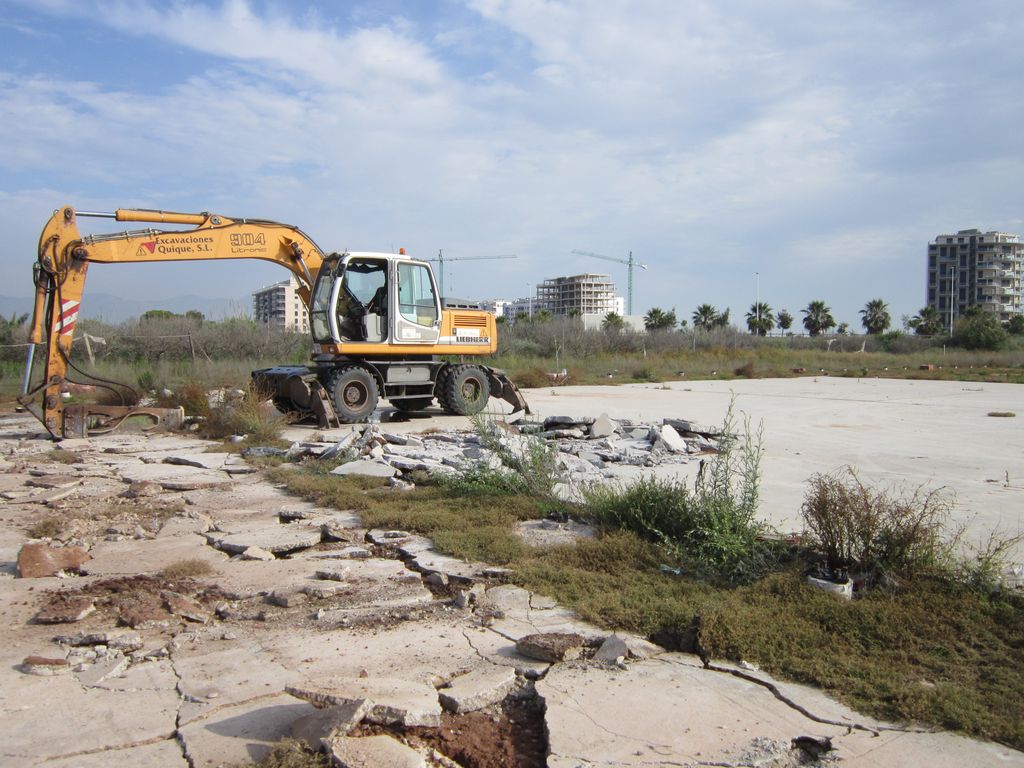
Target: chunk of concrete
(673, 440)
(603, 427)
(373, 752)
(45, 666)
(39, 559)
(390, 700)
(272, 538)
(103, 669)
(551, 646)
(257, 553)
(480, 688)
(365, 468)
(317, 728)
(66, 610)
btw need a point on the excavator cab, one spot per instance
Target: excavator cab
(375, 299)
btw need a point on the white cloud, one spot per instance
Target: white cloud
(709, 139)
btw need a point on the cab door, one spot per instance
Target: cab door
(418, 319)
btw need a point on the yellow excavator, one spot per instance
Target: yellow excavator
(380, 327)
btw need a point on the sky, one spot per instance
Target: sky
(792, 151)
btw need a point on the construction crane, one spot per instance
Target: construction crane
(441, 260)
(630, 262)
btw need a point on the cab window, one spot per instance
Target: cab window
(416, 299)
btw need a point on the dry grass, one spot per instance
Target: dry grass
(48, 528)
(189, 568)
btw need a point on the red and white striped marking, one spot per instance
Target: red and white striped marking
(65, 324)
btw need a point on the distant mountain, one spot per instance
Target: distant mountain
(114, 309)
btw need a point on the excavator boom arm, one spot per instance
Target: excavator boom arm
(64, 257)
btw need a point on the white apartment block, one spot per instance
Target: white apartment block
(975, 268)
(279, 305)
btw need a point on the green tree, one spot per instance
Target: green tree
(927, 322)
(760, 318)
(818, 318)
(613, 323)
(843, 329)
(1015, 325)
(785, 320)
(722, 319)
(195, 315)
(704, 317)
(657, 319)
(875, 317)
(981, 330)
(157, 314)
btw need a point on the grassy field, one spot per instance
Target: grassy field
(929, 650)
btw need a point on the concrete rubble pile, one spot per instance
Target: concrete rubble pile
(305, 625)
(590, 449)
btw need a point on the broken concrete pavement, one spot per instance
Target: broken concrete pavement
(227, 662)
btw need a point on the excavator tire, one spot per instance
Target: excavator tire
(463, 389)
(413, 403)
(353, 393)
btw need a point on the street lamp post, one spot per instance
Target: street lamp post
(757, 301)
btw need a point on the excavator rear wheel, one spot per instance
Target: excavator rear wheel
(353, 392)
(463, 389)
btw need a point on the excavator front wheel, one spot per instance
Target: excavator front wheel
(353, 392)
(464, 390)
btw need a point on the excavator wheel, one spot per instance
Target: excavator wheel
(413, 403)
(353, 393)
(463, 390)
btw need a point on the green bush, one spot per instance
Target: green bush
(711, 529)
(979, 331)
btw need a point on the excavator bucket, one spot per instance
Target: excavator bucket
(503, 389)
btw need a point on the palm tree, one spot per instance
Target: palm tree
(875, 316)
(927, 322)
(657, 319)
(722, 319)
(785, 320)
(613, 322)
(760, 318)
(704, 317)
(818, 317)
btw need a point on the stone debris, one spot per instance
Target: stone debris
(373, 752)
(277, 539)
(366, 468)
(338, 573)
(125, 641)
(54, 482)
(389, 701)
(185, 607)
(551, 646)
(257, 553)
(318, 728)
(66, 610)
(480, 688)
(94, 674)
(551, 533)
(283, 598)
(38, 559)
(45, 666)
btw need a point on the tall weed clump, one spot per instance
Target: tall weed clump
(869, 530)
(711, 529)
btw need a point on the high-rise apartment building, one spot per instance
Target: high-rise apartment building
(279, 305)
(975, 268)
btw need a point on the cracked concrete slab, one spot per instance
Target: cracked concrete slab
(165, 753)
(121, 558)
(243, 733)
(89, 719)
(210, 680)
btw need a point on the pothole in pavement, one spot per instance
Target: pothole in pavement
(510, 734)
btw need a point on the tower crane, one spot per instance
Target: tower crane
(630, 262)
(441, 259)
